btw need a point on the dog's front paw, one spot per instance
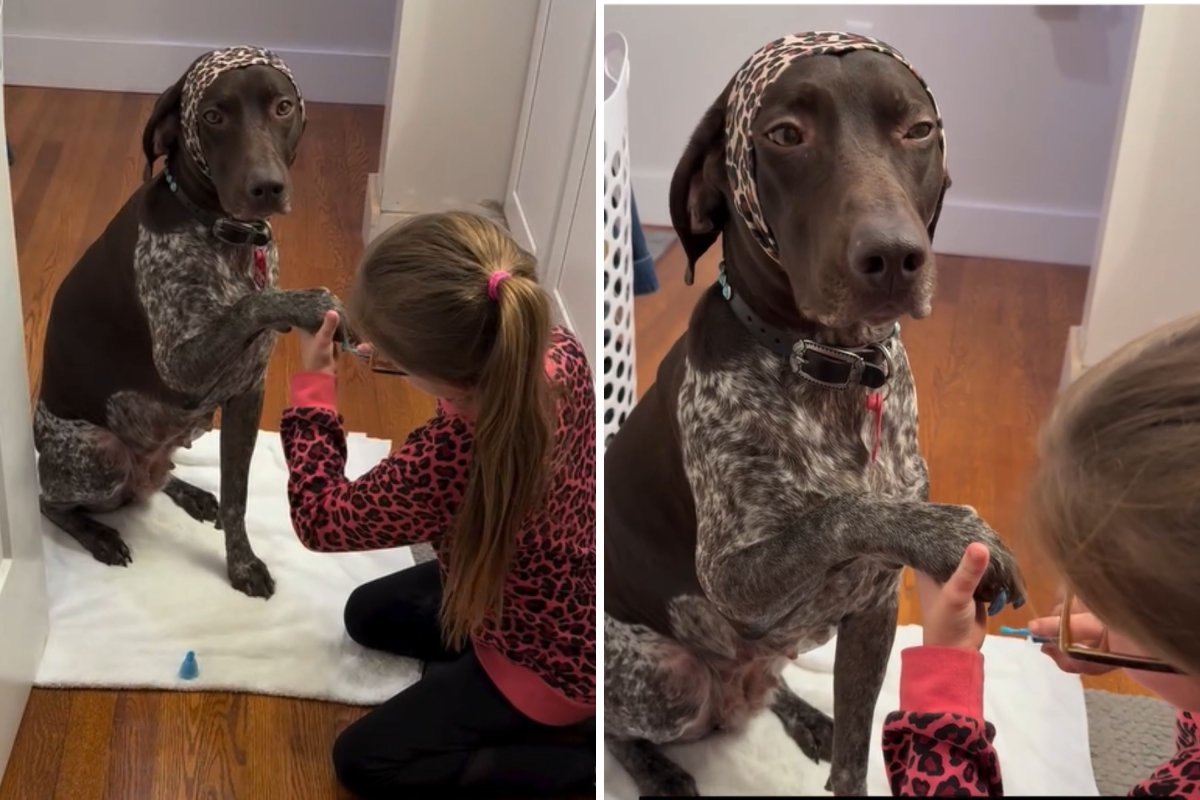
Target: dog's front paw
(307, 309)
(961, 525)
(847, 783)
(251, 577)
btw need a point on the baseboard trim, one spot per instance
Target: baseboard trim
(518, 224)
(987, 230)
(151, 66)
(376, 220)
(1073, 358)
(562, 315)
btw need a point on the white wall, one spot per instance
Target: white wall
(1030, 96)
(338, 50)
(454, 102)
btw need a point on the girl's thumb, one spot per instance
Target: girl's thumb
(329, 325)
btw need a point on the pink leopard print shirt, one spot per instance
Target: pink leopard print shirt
(542, 654)
(941, 745)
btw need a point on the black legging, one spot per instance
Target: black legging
(453, 729)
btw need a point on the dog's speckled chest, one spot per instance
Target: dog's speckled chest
(185, 280)
(762, 446)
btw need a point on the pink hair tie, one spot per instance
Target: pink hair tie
(498, 277)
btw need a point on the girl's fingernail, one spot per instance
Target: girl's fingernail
(998, 604)
(1041, 639)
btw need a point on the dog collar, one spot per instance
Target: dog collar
(745, 100)
(205, 71)
(832, 367)
(226, 229)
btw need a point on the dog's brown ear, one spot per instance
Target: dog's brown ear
(163, 128)
(698, 208)
(937, 212)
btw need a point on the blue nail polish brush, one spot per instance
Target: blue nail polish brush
(1024, 633)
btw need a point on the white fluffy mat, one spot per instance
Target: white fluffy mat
(114, 627)
(1038, 711)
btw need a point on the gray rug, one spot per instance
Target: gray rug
(1130, 736)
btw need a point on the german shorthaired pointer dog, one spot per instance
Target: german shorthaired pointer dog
(759, 499)
(173, 312)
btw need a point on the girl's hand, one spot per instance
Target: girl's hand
(952, 616)
(1086, 630)
(316, 350)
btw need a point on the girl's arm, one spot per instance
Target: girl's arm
(409, 497)
(1179, 777)
(939, 743)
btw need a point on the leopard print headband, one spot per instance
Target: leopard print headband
(207, 69)
(745, 99)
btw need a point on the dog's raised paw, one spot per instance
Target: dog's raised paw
(252, 578)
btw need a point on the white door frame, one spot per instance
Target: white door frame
(572, 229)
(23, 612)
(1143, 275)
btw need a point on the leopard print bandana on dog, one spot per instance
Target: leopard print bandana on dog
(745, 99)
(207, 69)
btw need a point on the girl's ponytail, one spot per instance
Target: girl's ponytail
(451, 296)
(514, 436)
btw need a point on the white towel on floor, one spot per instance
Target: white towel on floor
(1038, 711)
(130, 627)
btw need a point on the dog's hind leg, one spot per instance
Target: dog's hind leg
(200, 505)
(808, 727)
(864, 643)
(655, 692)
(654, 773)
(82, 467)
(102, 541)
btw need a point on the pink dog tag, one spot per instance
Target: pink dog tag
(260, 267)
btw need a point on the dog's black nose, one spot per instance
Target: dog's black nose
(265, 186)
(887, 254)
(266, 189)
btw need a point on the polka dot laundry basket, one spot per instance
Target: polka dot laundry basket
(619, 376)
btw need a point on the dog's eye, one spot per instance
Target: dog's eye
(212, 117)
(283, 108)
(786, 135)
(921, 130)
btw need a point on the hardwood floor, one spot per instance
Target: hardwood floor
(78, 157)
(987, 365)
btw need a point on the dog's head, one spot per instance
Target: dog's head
(239, 116)
(826, 153)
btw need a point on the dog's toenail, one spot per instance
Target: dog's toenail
(998, 604)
